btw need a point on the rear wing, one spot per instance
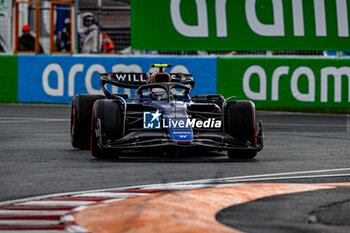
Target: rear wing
(135, 80)
(126, 80)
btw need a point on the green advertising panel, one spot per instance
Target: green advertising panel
(286, 82)
(240, 25)
(8, 78)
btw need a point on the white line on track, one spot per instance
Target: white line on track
(265, 175)
(31, 118)
(289, 177)
(33, 231)
(110, 195)
(32, 212)
(76, 229)
(29, 222)
(200, 183)
(113, 200)
(269, 113)
(68, 218)
(6, 120)
(72, 227)
(9, 122)
(308, 125)
(180, 186)
(223, 183)
(57, 203)
(80, 208)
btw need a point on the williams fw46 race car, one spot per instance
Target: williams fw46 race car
(163, 116)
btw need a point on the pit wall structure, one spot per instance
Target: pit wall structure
(317, 83)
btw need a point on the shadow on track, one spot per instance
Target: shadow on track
(204, 157)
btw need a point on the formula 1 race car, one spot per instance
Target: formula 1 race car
(162, 115)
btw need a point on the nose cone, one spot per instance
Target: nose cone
(179, 127)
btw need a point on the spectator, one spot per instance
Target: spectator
(62, 42)
(27, 42)
(92, 40)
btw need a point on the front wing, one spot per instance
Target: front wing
(202, 140)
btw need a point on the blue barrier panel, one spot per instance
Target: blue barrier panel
(56, 79)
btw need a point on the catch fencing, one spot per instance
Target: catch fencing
(113, 18)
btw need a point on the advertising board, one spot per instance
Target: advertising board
(286, 82)
(240, 25)
(56, 79)
(8, 78)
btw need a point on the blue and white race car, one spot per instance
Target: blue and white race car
(163, 116)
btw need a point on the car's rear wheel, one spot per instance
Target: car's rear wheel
(81, 120)
(107, 126)
(240, 123)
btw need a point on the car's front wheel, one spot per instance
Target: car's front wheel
(240, 123)
(106, 126)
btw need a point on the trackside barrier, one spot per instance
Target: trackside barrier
(56, 79)
(8, 78)
(318, 83)
(286, 82)
(240, 25)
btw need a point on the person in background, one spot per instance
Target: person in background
(27, 42)
(62, 42)
(89, 38)
(107, 44)
(92, 39)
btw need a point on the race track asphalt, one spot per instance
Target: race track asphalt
(36, 156)
(317, 211)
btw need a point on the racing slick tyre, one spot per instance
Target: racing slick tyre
(81, 120)
(107, 126)
(240, 124)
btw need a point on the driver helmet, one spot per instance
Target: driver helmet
(160, 77)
